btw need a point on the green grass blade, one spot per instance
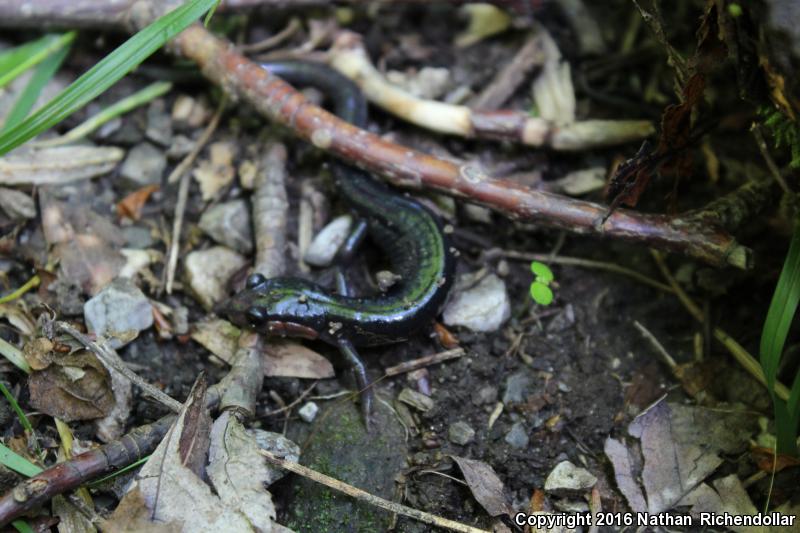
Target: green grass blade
(43, 74)
(17, 463)
(128, 103)
(17, 409)
(29, 55)
(105, 73)
(781, 310)
(22, 526)
(14, 354)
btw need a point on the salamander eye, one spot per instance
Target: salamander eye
(254, 280)
(256, 315)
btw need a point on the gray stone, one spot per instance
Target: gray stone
(137, 237)
(143, 166)
(229, 224)
(342, 448)
(208, 271)
(485, 395)
(517, 388)
(119, 311)
(280, 446)
(460, 433)
(323, 248)
(517, 437)
(483, 307)
(308, 412)
(566, 477)
(159, 124)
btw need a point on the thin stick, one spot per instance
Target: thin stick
(288, 407)
(773, 168)
(111, 359)
(273, 40)
(180, 172)
(738, 352)
(408, 366)
(364, 496)
(579, 261)
(656, 344)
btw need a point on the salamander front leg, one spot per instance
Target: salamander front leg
(364, 387)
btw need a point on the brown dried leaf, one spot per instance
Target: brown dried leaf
(133, 516)
(131, 205)
(485, 485)
(218, 337)
(194, 438)
(73, 387)
(286, 358)
(38, 353)
(767, 461)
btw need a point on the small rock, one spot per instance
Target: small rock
(415, 399)
(135, 262)
(386, 278)
(483, 308)
(478, 213)
(566, 477)
(189, 113)
(460, 433)
(248, 171)
(323, 248)
(180, 147)
(485, 395)
(137, 237)
(143, 166)
(517, 388)
(229, 224)
(207, 272)
(159, 124)
(517, 437)
(581, 182)
(280, 446)
(117, 310)
(308, 412)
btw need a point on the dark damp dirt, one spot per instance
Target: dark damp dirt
(570, 375)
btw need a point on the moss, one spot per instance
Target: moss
(785, 132)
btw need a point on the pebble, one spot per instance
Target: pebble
(415, 399)
(143, 166)
(326, 244)
(229, 224)
(483, 307)
(517, 437)
(280, 446)
(566, 477)
(137, 237)
(121, 307)
(159, 124)
(485, 395)
(207, 273)
(516, 388)
(460, 433)
(308, 412)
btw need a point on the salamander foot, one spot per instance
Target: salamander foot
(360, 371)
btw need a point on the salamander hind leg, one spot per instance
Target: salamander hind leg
(360, 371)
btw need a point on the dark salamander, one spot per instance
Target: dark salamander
(410, 234)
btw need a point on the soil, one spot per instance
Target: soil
(586, 370)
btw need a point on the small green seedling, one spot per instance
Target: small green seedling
(541, 292)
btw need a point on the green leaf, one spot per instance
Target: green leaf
(17, 60)
(22, 526)
(17, 463)
(17, 409)
(541, 293)
(43, 74)
(542, 272)
(105, 73)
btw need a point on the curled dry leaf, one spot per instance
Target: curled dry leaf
(239, 473)
(172, 493)
(131, 206)
(485, 485)
(286, 358)
(62, 164)
(73, 387)
(38, 353)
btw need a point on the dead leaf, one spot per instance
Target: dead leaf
(485, 485)
(767, 461)
(63, 164)
(287, 358)
(133, 516)
(676, 457)
(194, 438)
(624, 474)
(218, 337)
(112, 426)
(74, 387)
(174, 494)
(38, 353)
(216, 172)
(71, 520)
(727, 496)
(239, 473)
(131, 205)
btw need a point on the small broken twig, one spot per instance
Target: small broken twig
(408, 366)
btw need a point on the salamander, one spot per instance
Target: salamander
(410, 234)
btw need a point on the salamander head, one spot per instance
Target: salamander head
(278, 306)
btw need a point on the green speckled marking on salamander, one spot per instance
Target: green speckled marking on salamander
(405, 230)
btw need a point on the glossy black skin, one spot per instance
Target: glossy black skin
(406, 231)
